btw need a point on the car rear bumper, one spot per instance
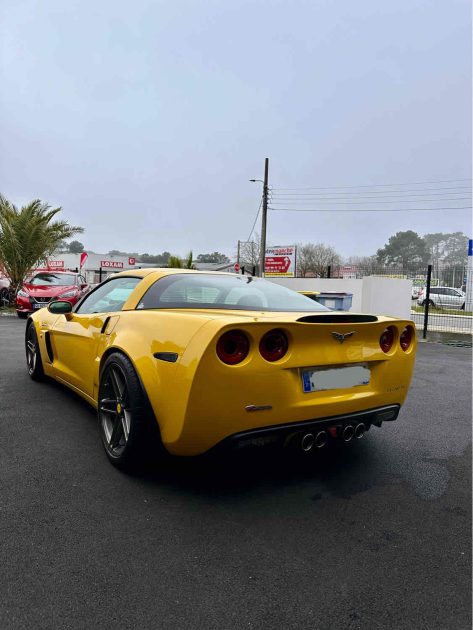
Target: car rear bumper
(284, 433)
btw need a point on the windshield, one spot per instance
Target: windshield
(56, 279)
(224, 292)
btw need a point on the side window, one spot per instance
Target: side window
(437, 291)
(108, 297)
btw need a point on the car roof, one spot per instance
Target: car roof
(167, 271)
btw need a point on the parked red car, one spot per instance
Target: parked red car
(49, 285)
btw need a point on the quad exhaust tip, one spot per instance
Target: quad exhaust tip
(348, 432)
(307, 442)
(321, 439)
(360, 430)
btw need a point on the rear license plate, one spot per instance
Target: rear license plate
(335, 378)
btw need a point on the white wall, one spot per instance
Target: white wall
(372, 294)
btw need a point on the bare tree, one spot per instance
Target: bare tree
(305, 259)
(313, 259)
(324, 256)
(365, 265)
(249, 252)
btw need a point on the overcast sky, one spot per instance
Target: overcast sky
(145, 119)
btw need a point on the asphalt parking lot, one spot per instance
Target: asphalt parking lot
(374, 534)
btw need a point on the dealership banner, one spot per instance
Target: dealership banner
(280, 261)
(111, 264)
(55, 264)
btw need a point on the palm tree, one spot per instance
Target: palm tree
(27, 237)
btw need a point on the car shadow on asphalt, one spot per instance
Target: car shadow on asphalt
(343, 469)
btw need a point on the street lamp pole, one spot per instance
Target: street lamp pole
(264, 216)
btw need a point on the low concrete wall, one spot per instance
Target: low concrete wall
(372, 294)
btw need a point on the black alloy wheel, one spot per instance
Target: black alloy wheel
(33, 355)
(128, 430)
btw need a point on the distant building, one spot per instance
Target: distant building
(97, 267)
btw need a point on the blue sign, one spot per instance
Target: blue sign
(470, 247)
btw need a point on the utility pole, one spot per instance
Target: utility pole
(264, 218)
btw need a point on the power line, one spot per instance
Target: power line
(256, 219)
(363, 203)
(438, 181)
(374, 194)
(355, 210)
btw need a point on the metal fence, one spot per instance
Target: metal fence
(438, 296)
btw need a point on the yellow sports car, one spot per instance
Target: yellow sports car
(192, 360)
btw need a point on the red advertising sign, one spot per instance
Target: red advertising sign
(55, 264)
(277, 264)
(132, 261)
(111, 264)
(280, 261)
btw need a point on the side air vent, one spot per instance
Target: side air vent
(337, 319)
(49, 347)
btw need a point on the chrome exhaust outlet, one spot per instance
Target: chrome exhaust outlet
(307, 442)
(321, 439)
(360, 430)
(348, 433)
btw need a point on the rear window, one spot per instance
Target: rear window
(56, 279)
(224, 292)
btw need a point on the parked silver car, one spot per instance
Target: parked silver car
(4, 284)
(443, 297)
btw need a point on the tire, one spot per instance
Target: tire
(128, 430)
(430, 303)
(462, 307)
(22, 315)
(33, 355)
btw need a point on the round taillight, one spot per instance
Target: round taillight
(387, 339)
(273, 345)
(405, 339)
(233, 347)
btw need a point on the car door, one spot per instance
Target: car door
(448, 298)
(75, 336)
(459, 298)
(437, 295)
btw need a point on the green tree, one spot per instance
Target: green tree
(76, 247)
(405, 249)
(28, 236)
(178, 263)
(161, 260)
(216, 257)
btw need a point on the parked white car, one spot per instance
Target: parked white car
(443, 297)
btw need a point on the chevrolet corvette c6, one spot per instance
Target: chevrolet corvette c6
(203, 359)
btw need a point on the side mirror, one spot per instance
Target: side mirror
(60, 307)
